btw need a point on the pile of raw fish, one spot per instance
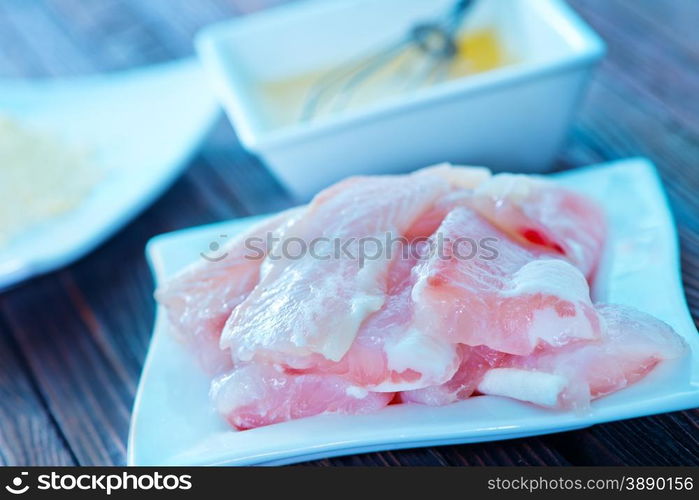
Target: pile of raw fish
(297, 335)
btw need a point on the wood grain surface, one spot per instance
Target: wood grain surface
(72, 343)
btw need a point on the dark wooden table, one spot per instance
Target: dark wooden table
(72, 343)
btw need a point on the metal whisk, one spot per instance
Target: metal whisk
(435, 39)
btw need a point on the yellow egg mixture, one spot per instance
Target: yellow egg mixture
(283, 100)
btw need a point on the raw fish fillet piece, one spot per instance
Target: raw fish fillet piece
(201, 297)
(459, 177)
(569, 377)
(256, 395)
(392, 353)
(543, 215)
(308, 305)
(510, 301)
(389, 354)
(474, 363)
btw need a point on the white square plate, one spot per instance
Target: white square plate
(173, 423)
(142, 126)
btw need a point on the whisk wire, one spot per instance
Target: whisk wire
(344, 76)
(434, 39)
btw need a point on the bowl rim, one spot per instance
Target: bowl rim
(587, 48)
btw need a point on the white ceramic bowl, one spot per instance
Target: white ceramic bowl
(510, 118)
